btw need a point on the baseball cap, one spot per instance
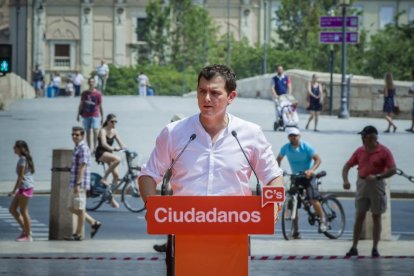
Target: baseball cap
(368, 130)
(293, 131)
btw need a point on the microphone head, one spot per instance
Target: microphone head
(193, 136)
(234, 133)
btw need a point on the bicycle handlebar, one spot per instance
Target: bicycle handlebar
(302, 174)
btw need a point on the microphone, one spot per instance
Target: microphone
(166, 190)
(258, 187)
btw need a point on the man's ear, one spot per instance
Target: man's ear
(231, 96)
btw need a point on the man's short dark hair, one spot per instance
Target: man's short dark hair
(215, 70)
(368, 130)
(78, 128)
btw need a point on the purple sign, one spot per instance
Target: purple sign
(336, 21)
(336, 37)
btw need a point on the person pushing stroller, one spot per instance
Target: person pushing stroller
(281, 85)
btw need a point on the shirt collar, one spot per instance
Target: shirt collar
(281, 76)
(80, 144)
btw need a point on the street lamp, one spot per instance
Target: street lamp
(344, 114)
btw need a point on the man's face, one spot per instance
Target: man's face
(91, 83)
(294, 139)
(212, 97)
(77, 136)
(370, 139)
(279, 70)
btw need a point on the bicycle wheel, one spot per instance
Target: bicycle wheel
(94, 197)
(335, 217)
(132, 198)
(288, 227)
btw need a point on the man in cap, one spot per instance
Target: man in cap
(303, 159)
(375, 164)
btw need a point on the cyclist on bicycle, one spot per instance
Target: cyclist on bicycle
(303, 159)
(104, 151)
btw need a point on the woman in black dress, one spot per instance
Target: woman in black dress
(389, 94)
(315, 96)
(104, 151)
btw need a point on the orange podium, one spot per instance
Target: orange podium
(211, 232)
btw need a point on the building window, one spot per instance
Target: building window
(412, 14)
(61, 56)
(140, 29)
(386, 16)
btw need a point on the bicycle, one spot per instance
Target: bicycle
(296, 197)
(130, 196)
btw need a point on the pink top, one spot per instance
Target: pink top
(371, 163)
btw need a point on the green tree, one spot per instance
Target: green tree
(156, 28)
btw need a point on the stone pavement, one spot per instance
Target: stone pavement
(270, 257)
(46, 124)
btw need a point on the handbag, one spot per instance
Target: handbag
(396, 108)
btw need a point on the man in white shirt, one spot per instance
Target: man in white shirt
(212, 164)
(77, 83)
(102, 71)
(143, 83)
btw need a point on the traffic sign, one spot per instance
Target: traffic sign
(336, 37)
(336, 21)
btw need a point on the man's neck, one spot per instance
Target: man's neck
(214, 126)
(371, 147)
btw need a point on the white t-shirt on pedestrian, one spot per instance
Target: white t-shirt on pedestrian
(142, 80)
(102, 70)
(78, 79)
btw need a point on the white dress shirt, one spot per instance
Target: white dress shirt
(205, 168)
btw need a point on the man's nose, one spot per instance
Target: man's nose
(207, 97)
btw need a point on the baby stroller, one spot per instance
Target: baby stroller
(286, 114)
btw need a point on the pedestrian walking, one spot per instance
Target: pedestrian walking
(23, 190)
(105, 151)
(315, 100)
(37, 78)
(79, 184)
(281, 85)
(77, 83)
(389, 101)
(375, 164)
(91, 110)
(207, 167)
(143, 83)
(102, 72)
(56, 83)
(411, 92)
(303, 159)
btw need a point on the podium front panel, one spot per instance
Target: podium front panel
(209, 215)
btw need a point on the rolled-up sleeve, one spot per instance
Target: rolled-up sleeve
(264, 161)
(160, 157)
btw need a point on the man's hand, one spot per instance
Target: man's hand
(78, 118)
(309, 173)
(76, 189)
(347, 185)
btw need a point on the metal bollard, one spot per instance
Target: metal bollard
(367, 227)
(61, 221)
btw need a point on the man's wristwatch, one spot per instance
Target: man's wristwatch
(378, 176)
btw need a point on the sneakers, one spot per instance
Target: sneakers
(352, 252)
(375, 253)
(296, 236)
(24, 238)
(74, 237)
(160, 247)
(95, 227)
(22, 234)
(322, 227)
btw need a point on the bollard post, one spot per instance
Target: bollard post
(61, 221)
(367, 227)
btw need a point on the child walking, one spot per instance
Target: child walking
(23, 190)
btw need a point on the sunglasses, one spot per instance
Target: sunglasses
(75, 134)
(114, 121)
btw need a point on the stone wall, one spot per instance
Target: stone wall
(14, 88)
(364, 97)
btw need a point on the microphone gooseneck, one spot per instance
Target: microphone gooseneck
(258, 187)
(165, 187)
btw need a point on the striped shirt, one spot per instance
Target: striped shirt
(81, 155)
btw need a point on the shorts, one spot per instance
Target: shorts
(77, 201)
(37, 84)
(91, 122)
(370, 196)
(25, 192)
(311, 186)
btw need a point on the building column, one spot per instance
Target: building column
(86, 42)
(39, 29)
(119, 33)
